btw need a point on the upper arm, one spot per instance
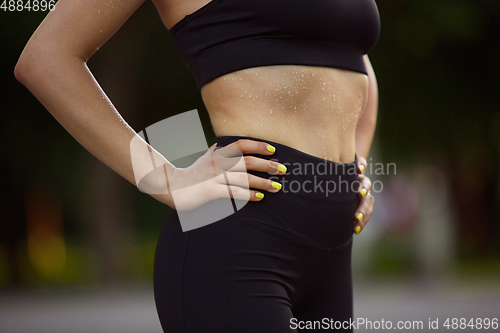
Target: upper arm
(78, 28)
(365, 128)
(372, 101)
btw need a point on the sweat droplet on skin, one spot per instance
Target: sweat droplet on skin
(292, 98)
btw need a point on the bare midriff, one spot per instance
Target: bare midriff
(313, 109)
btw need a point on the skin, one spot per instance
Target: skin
(326, 112)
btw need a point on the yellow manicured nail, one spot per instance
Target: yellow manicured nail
(276, 185)
(259, 195)
(282, 168)
(271, 148)
(357, 229)
(359, 216)
(363, 192)
(361, 168)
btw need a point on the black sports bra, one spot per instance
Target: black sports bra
(224, 36)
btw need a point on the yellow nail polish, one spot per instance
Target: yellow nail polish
(357, 229)
(359, 216)
(363, 192)
(271, 148)
(259, 195)
(362, 168)
(282, 168)
(276, 185)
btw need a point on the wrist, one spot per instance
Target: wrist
(158, 184)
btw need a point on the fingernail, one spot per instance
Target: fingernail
(357, 229)
(359, 216)
(361, 168)
(276, 185)
(282, 168)
(259, 195)
(271, 148)
(363, 192)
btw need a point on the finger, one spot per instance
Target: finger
(365, 186)
(258, 164)
(251, 181)
(255, 147)
(361, 164)
(238, 193)
(363, 213)
(246, 146)
(228, 158)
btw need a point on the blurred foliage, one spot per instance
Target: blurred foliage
(437, 67)
(394, 255)
(479, 271)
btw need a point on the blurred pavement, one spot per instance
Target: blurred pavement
(132, 309)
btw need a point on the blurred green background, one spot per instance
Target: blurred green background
(68, 220)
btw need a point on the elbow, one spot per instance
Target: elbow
(38, 63)
(25, 69)
(34, 64)
(20, 71)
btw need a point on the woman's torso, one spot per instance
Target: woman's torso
(311, 108)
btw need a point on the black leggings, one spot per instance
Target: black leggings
(273, 266)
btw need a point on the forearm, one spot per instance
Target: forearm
(365, 131)
(67, 88)
(365, 128)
